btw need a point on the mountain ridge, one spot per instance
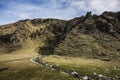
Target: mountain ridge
(90, 36)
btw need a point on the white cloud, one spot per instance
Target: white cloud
(55, 9)
(97, 6)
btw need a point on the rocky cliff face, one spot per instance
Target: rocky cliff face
(90, 36)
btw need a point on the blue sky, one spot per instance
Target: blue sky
(14, 10)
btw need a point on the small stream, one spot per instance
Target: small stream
(75, 74)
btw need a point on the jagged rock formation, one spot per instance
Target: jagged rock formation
(90, 36)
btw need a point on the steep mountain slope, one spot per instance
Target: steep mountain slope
(90, 36)
(94, 36)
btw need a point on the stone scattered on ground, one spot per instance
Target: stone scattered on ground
(75, 73)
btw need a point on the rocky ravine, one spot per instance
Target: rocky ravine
(90, 36)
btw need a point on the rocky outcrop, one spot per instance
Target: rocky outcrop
(90, 36)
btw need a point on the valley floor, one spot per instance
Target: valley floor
(86, 67)
(18, 67)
